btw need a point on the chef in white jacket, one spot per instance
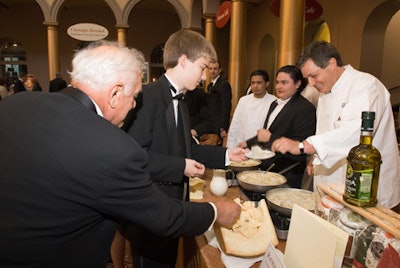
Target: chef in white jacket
(345, 94)
(251, 110)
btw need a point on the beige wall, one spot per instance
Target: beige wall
(347, 23)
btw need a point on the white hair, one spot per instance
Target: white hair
(103, 63)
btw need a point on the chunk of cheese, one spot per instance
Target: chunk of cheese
(251, 234)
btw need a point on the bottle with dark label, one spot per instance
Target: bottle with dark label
(363, 165)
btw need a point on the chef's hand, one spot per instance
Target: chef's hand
(284, 145)
(237, 154)
(242, 144)
(193, 168)
(263, 135)
(310, 167)
(227, 212)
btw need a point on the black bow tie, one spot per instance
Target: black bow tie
(180, 96)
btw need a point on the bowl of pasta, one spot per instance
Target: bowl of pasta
(260, 181)
(282, 200)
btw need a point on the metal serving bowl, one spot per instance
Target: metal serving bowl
(260, 181)
(250, 164)
(287, 194)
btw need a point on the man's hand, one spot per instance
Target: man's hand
(284, 145)
(237, 154)
(242, 144)
(227, 212)
(310, 167)
(223, 133)
(193, 132)
(193, 168)
(263, 135)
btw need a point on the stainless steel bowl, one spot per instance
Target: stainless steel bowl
(262, 187)
(287, 192)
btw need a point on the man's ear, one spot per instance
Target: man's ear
(114, 95)
(182, 61)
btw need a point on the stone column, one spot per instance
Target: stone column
(121, 33)
(210, 34)
(237, 49)
(52, 48)
(291, 32)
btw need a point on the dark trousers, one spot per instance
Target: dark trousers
(150, 250)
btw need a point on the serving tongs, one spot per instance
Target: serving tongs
(283, 171)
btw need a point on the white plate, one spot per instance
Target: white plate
(260, 155)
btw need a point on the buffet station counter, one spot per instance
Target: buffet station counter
(197, 251)
(375, 228)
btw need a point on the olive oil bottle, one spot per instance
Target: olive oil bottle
(363, 165)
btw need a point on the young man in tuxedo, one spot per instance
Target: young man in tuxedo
(162, 127)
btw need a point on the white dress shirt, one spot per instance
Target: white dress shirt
(277, 110)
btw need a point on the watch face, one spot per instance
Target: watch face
(301, 147)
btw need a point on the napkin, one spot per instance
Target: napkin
(228, 260)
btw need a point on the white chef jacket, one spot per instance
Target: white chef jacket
(249, 116)
(338, 130)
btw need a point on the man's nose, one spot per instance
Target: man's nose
(311, 81)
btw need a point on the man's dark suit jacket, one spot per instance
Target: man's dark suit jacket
(76, 176)
(19, 86)
(154, 128)
(57, 84)
(297, 121)
(215, 115)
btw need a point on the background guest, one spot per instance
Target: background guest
(31, 83)
(291, 116)
(251, 110)
(19, 84)
(3, 89)
(215, 115)
(57, 83)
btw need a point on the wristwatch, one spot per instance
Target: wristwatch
(301, 147)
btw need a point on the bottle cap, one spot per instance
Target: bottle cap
(368, 119)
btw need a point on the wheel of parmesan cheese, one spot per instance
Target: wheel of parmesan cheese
(251, 234)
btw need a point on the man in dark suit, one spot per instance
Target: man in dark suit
(19, 84)
(57, 83)
(215, 115)
(291, 116)
(162, 127)
(78, 174)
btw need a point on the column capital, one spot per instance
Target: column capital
(50, 23)
(209, 15)
(122, 26)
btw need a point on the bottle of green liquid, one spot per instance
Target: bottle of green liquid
(363, 165)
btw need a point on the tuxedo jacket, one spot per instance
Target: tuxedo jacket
(154, 128)
(296, 121)
(76, 176)
(215, 115)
